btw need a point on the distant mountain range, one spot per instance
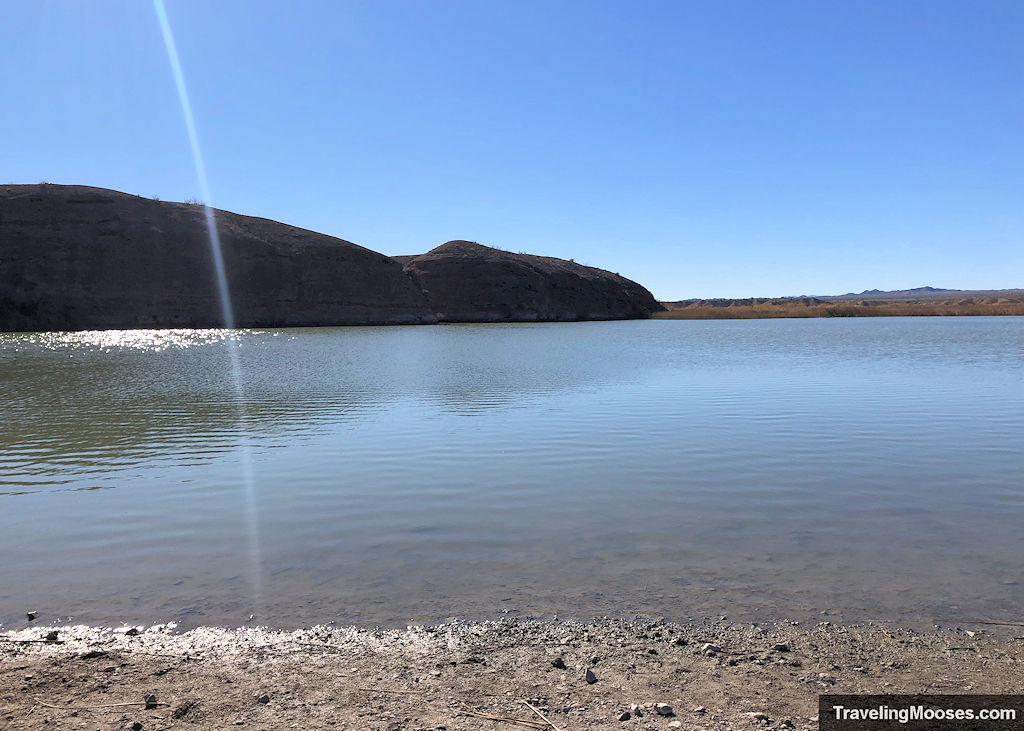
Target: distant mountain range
(869, 303)
(918, 293)
(915, 292)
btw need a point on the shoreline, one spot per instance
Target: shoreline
(699, 311)
(575, 674)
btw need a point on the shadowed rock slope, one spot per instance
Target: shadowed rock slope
(467, 282)
(74, 257)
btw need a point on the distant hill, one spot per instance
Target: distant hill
(922, 301)
(918, 293)
(915, 292)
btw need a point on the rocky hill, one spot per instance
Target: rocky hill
(467, 282)
(75, 257)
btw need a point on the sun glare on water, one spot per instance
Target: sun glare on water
(152, 341)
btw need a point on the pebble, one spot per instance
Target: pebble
(699, 709)
(150, 701)
(52, 635)
(591, 678)
(137, 726)
(758, 716)
(263, 698)
(675, 724)
(709, 649)
(31, 615)
(558, 663)
(624, 716)
(781, 647)
(663, 709)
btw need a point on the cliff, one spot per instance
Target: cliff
(467, 282)
(74, 257)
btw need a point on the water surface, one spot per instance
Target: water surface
(865, 468)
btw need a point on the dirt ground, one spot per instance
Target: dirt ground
(711, 676)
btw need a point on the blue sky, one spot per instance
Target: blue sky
(704, 149)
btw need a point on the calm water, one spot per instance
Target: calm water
(868, 468)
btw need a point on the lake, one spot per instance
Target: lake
(845, 468)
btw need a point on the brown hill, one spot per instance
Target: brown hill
(74, 257)
(467, 282)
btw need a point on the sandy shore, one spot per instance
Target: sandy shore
(716, 675)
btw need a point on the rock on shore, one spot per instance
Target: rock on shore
(75, 257)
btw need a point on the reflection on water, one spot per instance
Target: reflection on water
(759, 468)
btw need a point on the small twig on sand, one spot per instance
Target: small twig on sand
(517, 721)
(25, 642)
(388, 690)
(148, 704)
(542, 717)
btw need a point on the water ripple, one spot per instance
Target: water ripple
(419, 471)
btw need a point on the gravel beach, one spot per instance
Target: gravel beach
(639, 674)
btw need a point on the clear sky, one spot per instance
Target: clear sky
(713, 148)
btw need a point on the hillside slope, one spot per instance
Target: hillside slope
(75, 257)
(467, 282)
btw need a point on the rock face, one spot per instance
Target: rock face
(74, 257)
(467, 282)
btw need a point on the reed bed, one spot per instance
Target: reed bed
(841, 309)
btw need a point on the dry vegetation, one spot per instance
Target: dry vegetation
(753, 308)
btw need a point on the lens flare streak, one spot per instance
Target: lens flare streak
(232, 344)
